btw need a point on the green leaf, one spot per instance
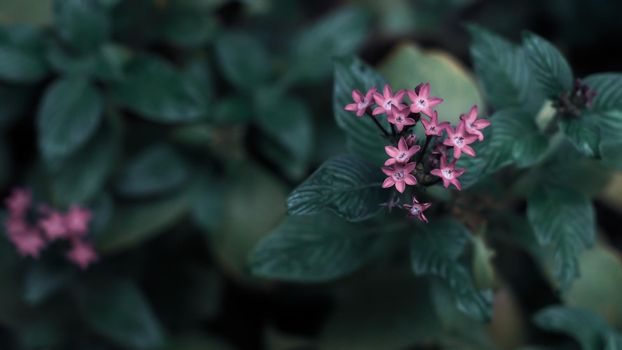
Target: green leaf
(583, 133)
(516, 131)
(611, 153)
(312, 249)
(156, 170)
(606, 111)
(588, 329)
(362, 134)
(347, 185)
(158, 92)
(119, 311)
(207, 209)
(563, 219)
(243, 70)
(548, 65)
(315, 48)
(189, 29)
(43, 280)
(503, 71)
(435, 250)
(83, 24)
(68, 116)
(17, 65)
(487, 161)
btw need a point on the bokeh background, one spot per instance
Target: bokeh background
(206, 114)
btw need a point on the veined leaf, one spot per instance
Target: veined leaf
(583, 133)
(548, 65)
(346, 185)
(563, 219)
(515, 131)
(242, 69)
(587, 328)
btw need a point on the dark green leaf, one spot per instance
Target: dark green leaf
(503, 71)
(548, 65)
(607, 106)
(18, 65)
(583, 133)
(15, 100)
(487, 161)
(155, 170)
(243, 70)
(208, 208)
(68, 116)
(43, 280)
(157, 91)
(347, 185)
(83, 24)
(189, 29)
(362, 134)
(515, 131)
(611, 153)
(435, 250)
(563, 219)
(119, 311)
(312, 249)
(587, 328)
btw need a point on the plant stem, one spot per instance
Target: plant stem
(425, 147)
(384, 131)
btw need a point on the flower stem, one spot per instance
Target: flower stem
(384, 131)
(425, 147)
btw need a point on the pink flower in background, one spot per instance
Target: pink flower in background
(399, 176)
(77, 220)
(387, 102)
(82, 253)
(19, 202)
(460, 140)
(28, 242)
(421, 100)
(433, 127)
(416, 209)
(448, 173)
(473, 125)
(399, 118)
(53, 226)
(411, 140)
(400, 154)
(361, 102)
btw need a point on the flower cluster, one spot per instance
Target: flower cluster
(30, 236)
(412, 163)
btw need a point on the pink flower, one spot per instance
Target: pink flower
(28, 243)
(19, 202)
(53, 226)
(474, 125)
(361, 102)
(399, 118)
(82, 253)
(399, 176)
(416, 209)
(400, 154)
(77, 220)
(460, 140)
(411, 140)
(421, 100)
(433, 127)
(448, 173)
(387, 101)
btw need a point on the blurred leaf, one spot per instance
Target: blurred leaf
(569, 169)
(503, 71)
(199, 71)
(189, 29)
(155, 170)
(18, 65)
(68, 116)
(243, 70)
(43, 280)
(482, 266)
(105, 64)
(407, 66)
(488, 160)
(316, 47)
(118, 311)
(583, 133)
(347, 185)
(83, 24)
(312, 249)
(15, 100)
(362, 134)
(588, 329)
(515, 131)
(548, 65)
(563, 219)
(434, 251)
(231, 110)
(158, 92)
(197, 342)
(135, 223)
(35, 12)
(207, 209)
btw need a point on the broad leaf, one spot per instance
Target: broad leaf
(563, 219)
(516, 133)
(548, 65)
(347, 185)
(435, 250)
(606, 111)
(17, 65)
(243, 60)
(68, 116)
(584, 133)
(42, 280)
(312, 249)
(363, 136)
(587, 328)
(83, 24)
(487, 161)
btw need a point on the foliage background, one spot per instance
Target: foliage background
(184, 125)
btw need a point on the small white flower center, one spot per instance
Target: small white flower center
(459, 141)
(415, 210)
(421, 103)
(447, 173)
(387, 105)
(398, 175)
(399, 119)
(362, 105)
(402, 156)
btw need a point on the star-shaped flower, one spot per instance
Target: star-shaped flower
(448, 173)
(361, 102)
(399, 176)
(416, 209)
(399, 118)
(460, 140)
(402, 153)
(82, 254)
(421, 100)
(53, 226)
(19, 202)
(77, 220)
(411, 140)
(433, 127)
(387, 102)
(28, 243)
(473, 125)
